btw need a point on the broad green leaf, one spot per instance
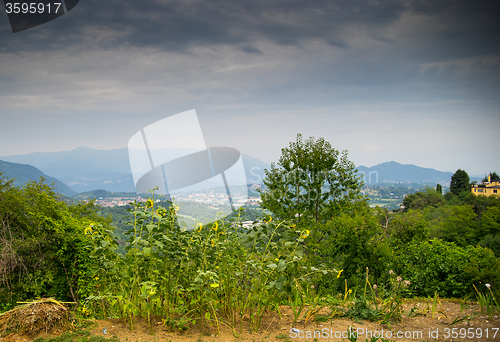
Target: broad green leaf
(281, 265)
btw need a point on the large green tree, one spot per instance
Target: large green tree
(460, 182)
(311, 181)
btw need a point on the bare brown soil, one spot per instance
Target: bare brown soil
(422, 327)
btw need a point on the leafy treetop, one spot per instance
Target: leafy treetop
(493, 176)
(311, 181)
(460, 182)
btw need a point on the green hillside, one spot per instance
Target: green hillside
(22, 174)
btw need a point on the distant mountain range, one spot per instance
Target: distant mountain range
(392, 172)
(22, 174)
(83, 169)
(86, 169)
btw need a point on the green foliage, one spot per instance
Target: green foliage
(396, 289)
(458, 223)
(459, 227)
(43, 250)
(490, 221)
(443, 267)
(439, 189)
(493, 177)
(423, 199)
(492, 242)
(352, 242)
(311, 180)
(460, 182)
(434, 215)
(215, 273)
(362, 310)
(407, 227)
(481, 203)
(325, 241)
(487, 301)
(195, 211)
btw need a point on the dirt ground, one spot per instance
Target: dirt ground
(478, 327)
(274, 328)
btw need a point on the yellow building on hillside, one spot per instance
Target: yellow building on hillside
(487, 189)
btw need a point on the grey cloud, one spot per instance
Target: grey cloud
(251, 49)
(370, 44)
(465, 27)
(180, 24)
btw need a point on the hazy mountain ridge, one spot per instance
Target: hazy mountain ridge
(393, 172)
(104, 160)
(22, 173)
(85, 169)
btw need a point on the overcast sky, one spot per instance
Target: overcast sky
(417, 82)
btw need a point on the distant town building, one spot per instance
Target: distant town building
(490, 188)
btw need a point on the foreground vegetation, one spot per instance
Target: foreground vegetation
(314, 250)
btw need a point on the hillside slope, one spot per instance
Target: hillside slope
(22, 173)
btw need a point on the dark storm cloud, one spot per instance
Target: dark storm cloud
(180, 24)
(383, 43)
(177, 24)
(466, 27)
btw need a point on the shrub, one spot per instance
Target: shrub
(443, 267)
(351, 242)
(422, 199)
(459, 227)
(43, 250)
(492, 242)
(409, 226)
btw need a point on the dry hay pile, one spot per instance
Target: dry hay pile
(43, 315)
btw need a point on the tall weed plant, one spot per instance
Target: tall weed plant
(214, 274)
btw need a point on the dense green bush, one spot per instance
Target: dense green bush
(43, 249)
(422, 199)
(459, 227)
(407, 227)
(351, 242)
(490, 221)
(481, 203)
(441, 267)
(492, 242)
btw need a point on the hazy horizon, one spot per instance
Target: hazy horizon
(357, 165)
